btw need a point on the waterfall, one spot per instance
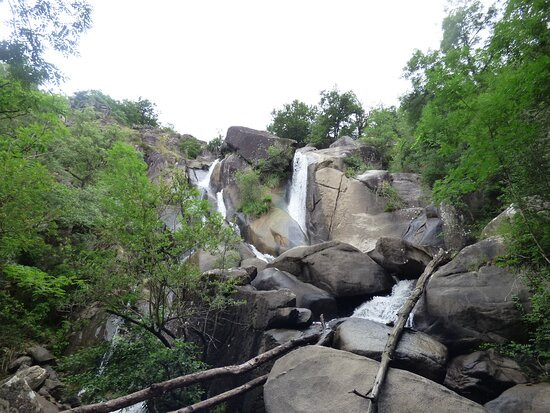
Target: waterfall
(385, 309)
(221, 205)
(204, 183)
(298, 190)
(261, 256)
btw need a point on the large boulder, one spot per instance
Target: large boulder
(469, 301)
(251, 144)
(409, 189)
(416, 351)
(344, 141)
(40, 354)
(426, 229)
(34, 376)
(401, 258)
(291, 317)
(374, 178)
(524, 398)
(494, 227)
(17, 397)
(319, 379)
(274, 233)
(482, 375)
(345, 209)
(338, 268)
(307, 295)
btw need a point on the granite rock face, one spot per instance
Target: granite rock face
(416, 352)
(469, 301)
(340, 269)
(320, 379)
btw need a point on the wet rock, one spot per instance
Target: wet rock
(401, 258)
(254, 262)
(469, 301)
(275, 232)
(291, 318)
(482, 375)
(416, 352)
(307, 295)
(426, 229)
(319, 379)
(277, 336)
(524, 398)
(335, 267)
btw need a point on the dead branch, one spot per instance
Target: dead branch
(213, 401)
(372, 395)
(158, 389)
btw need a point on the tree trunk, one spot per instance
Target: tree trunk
(158, 389)
(372, 395)
(213, 401)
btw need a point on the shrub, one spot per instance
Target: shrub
(393, 200)
(254, 201)
(277, 165)
(191, 148)
(215, 145)
(130, 363)
(354, 165)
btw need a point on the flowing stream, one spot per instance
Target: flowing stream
(204, 183)
(298, 190)
(385, 309)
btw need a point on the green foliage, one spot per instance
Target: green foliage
(140, 113)
(339, 114)
(354, 165)
(293, 121)
(275, 169)
(37, 26)
(191, 148)
(130, 363)
(385, 128)
(393, 200)
(254, 200)
(215, 145)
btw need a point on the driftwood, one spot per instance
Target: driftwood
(158, 389)
(372, 395)
(212, 401)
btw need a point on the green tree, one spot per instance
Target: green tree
(137, 265)
(339, 114)
(37, 26)
(293, 121)
(141, 112)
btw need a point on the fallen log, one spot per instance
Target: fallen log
(213, 401)
(158, 389)
(373, 394)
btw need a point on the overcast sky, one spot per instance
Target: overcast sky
(212, 64)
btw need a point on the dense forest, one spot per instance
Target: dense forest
(81, 219)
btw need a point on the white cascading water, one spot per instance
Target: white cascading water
(298, 190)
(261, 256)
(384, 309)
(204, 183)
(221, 205)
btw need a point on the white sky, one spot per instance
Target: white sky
(212, 64)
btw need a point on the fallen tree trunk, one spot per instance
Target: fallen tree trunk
(158, 389)
(372, 395)
(213, 401)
